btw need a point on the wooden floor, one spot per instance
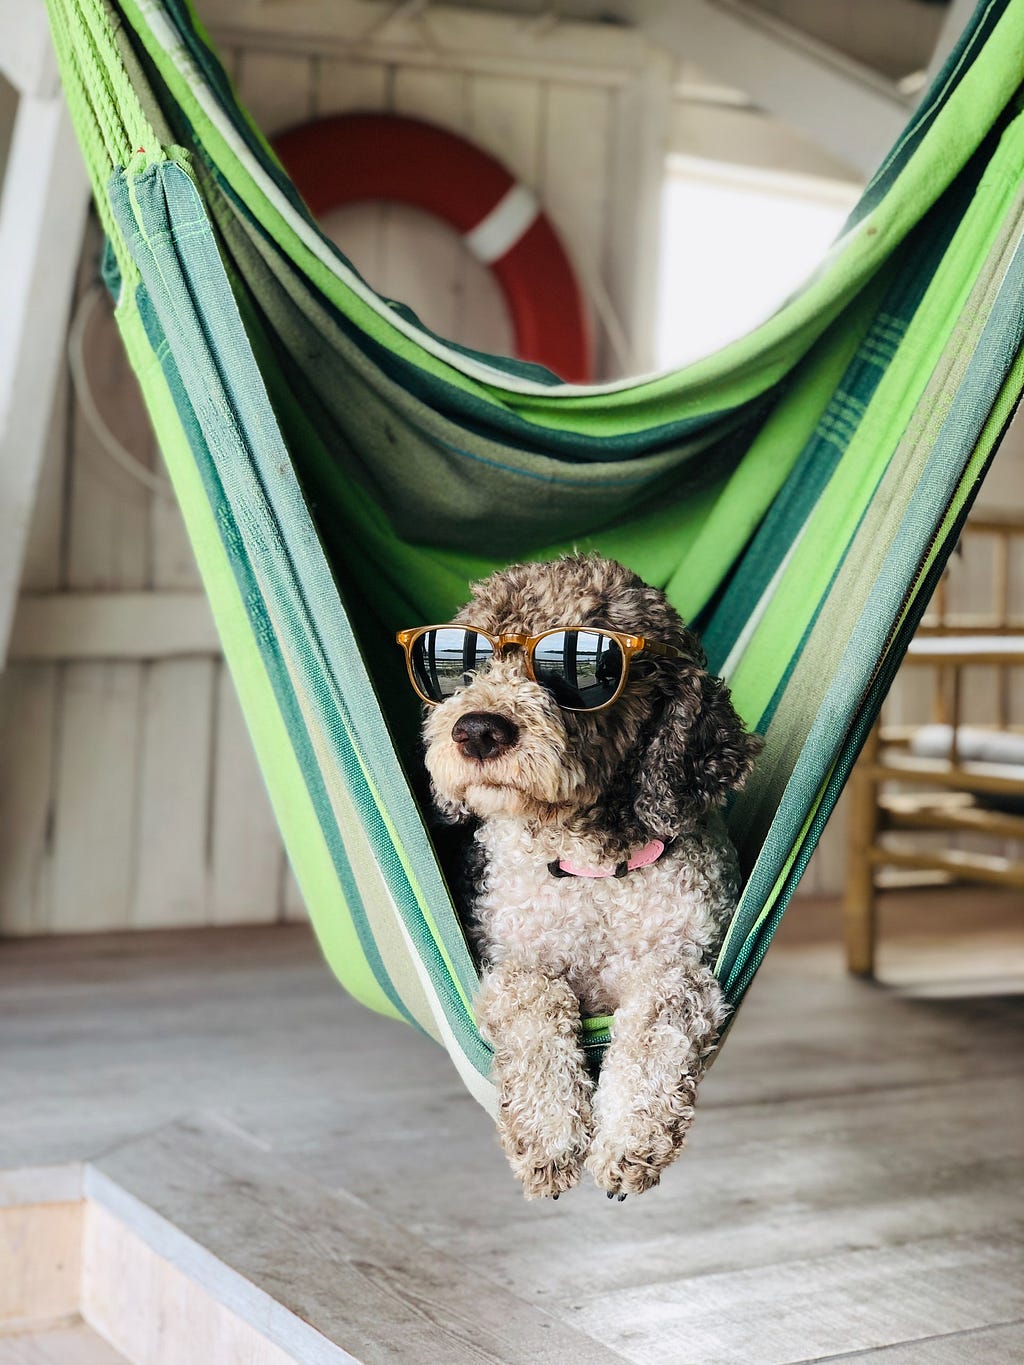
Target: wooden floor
(852, 1187)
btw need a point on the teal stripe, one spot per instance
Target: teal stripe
(204, 379)
(986, 372)
(295, 573)
(914, 271)
(751, 952)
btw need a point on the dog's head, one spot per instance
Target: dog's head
(670, 748)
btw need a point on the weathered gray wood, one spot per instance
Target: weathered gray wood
(1002, 1345)
(357, 1279)
(808, 1310)
(848, 1130)
(57, 626)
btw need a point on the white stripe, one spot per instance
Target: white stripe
(482, 1088)
(511, 218)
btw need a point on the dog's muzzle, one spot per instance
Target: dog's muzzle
(484, 735)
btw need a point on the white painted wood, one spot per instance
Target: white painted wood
(40, 1264)
(113, 625)
(150, 1308)
(8, 113)
(840, 103)
(576, 189)
(77, 1345)
(747, 136)
(26, 50)
(640, 125)
(246, 853)
(276, 88)
(108, 509)
(44, 551)
(340, 86)
(28, 716)
(500, 43)
(41, 212)
(503, 116)
(175, 754)
(423, 257)
(95, 798)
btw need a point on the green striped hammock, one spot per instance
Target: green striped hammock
(343, 473)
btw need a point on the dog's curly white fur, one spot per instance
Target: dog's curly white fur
(589, 789)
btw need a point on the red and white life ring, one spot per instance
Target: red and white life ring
(352, 157)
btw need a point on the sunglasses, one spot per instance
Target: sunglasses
(583, 669)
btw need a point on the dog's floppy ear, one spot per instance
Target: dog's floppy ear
(698, 751)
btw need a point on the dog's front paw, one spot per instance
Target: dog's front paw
(547, 1165)
(632, 1161)
(544, 1176)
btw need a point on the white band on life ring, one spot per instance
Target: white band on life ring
(496, 233)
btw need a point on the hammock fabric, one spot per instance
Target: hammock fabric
(343, 472)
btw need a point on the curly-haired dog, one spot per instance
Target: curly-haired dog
(599, 877)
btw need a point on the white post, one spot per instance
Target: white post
(42, 208)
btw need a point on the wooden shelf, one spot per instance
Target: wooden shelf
(947, 811)
(999, 779)
(957, 863)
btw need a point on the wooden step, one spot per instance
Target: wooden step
(193, 1246)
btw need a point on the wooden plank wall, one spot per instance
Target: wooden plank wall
(129, 794)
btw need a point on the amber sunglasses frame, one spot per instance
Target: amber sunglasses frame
(630, 646)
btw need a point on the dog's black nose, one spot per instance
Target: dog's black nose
(482, 734)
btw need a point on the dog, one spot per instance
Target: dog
(598, 879)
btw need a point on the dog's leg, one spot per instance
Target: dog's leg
(665, 1027)
(544, 1088)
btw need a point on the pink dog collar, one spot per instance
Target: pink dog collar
(650, 853)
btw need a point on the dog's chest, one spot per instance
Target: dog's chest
(593, 931)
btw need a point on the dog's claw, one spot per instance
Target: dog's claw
(620, 1197)
(555, 1196)
(611, 1194)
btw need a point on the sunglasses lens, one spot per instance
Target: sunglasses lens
(444, 660)
(582, 669)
